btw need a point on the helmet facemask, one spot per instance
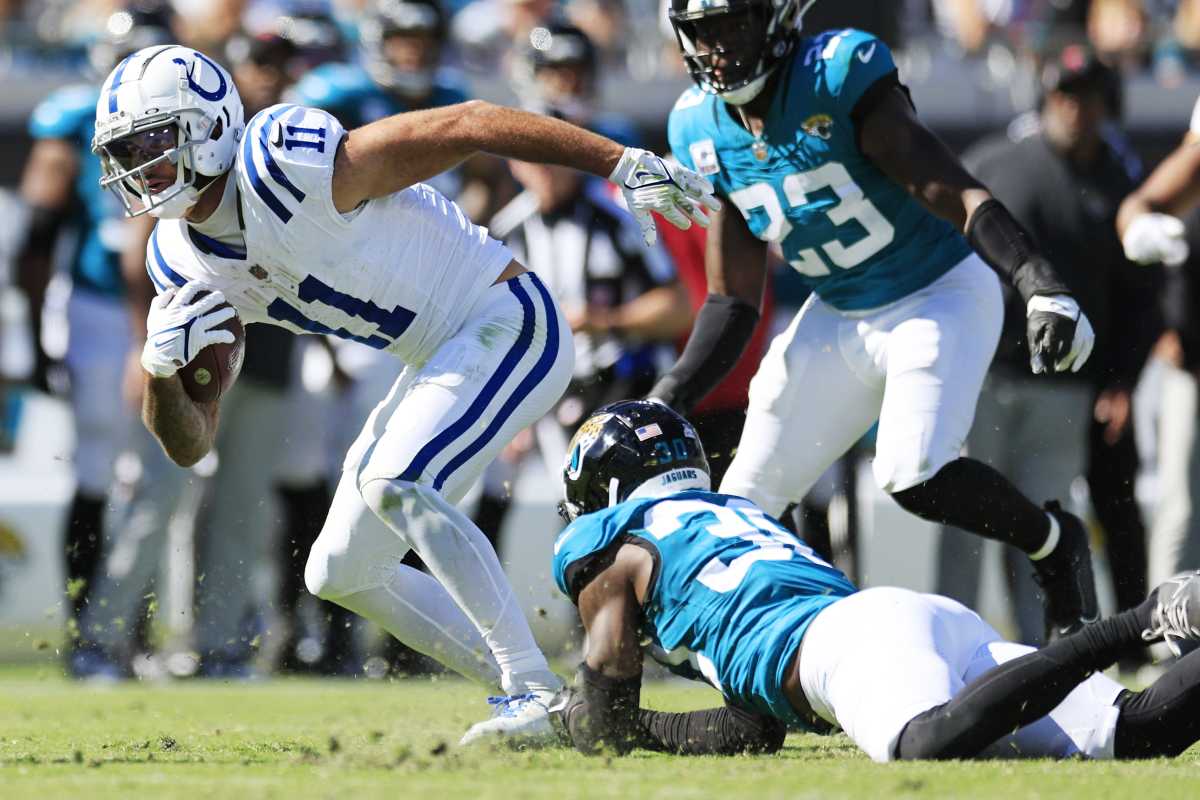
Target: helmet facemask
(731, 47)
(130, 160)
(165, 108)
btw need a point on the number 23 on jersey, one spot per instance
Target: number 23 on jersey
(852, 205)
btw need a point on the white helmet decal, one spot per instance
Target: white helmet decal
(217, 94)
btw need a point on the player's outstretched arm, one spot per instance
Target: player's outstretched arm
(185, 429)
(1060, 336)
(1148, 221)
(394, 153)
(736, 266)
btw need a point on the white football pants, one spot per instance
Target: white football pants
(873, 661)
(419, 452)
(915, 365)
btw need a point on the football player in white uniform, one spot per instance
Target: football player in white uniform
(296, 222)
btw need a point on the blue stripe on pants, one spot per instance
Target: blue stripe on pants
(520, 347)
(535, 376)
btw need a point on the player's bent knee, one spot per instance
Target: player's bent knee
(897, 475)
(392, 500)
(317, 572)
(334, 569)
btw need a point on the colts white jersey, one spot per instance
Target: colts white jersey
(399, 273)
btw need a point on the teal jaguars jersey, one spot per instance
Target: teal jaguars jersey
(70, 114)
(858, 239)
(732, 594)
(347, 92)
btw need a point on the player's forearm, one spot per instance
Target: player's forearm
(722, 331)
(1173, 187)
(185, 429)
(722, 731)
(525, 136)
(394, 153)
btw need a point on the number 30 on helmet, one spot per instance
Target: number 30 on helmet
(630, 449)
(168, 124)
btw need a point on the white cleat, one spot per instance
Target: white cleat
(521, 720)
(1176, 615)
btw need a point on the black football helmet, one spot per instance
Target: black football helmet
(731, 47)
(555, 73)
(623, 446)
(386, 18)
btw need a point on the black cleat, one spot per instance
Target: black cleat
(1065, 576)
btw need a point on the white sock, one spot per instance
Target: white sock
(1051, 541)
(417, 610)
(463, 561)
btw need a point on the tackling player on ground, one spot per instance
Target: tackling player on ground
(815, 143)
(298, 223)
(723, 593)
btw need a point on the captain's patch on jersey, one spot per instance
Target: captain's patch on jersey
(704, 156)
(648, 431)
(819, 125)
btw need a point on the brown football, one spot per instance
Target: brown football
(215, 368)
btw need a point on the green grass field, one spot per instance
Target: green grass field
(340, 739)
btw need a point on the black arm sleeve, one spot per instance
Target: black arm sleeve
(723, 731)
(723, 328)
(602, 713)
(1008, 248)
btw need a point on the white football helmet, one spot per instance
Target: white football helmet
(163, 105)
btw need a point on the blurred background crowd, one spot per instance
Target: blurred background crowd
(1057, 104)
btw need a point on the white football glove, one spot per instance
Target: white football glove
(1155, 238)
(179, 326)
(1052, 322)
(650, 183)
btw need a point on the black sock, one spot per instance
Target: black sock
(489, 517)
(304, 511)
(83, 547)
(969, 494)
(1163, 720)
(1021, 691)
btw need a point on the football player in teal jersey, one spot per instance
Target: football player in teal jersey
(815, 145)
(398, 69)
(714, 588)
(60, 187)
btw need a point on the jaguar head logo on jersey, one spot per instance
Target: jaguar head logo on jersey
(731, 47)
(819, 125)
(168, 124)
(630, 449)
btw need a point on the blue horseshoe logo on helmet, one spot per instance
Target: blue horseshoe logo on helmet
(197, 88)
